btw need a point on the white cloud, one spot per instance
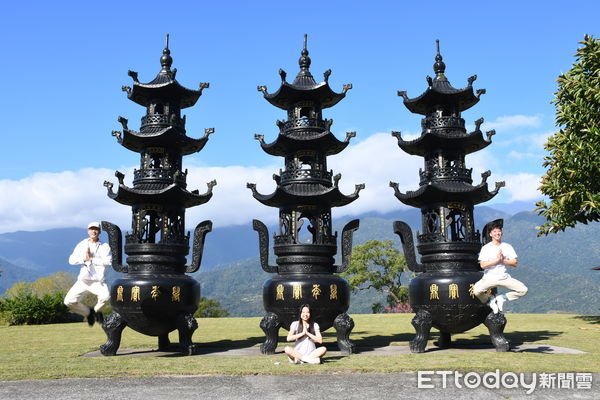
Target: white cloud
(73, 198)
(533, 141)
(52, 200)
(232, 203)
(517, 155)
(375, 162)
(509, 122)
(520, 187)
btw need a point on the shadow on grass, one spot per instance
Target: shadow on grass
(360, 339)
(482, 341)
(234, 344)
(205, 348)
(592, 319)
(516, 338)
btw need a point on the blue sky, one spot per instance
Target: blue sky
(65, 63)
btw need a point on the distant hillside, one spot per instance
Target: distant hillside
(48, 251)
(12, 273)
(556, 268)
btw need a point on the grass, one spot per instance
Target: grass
(53, 351)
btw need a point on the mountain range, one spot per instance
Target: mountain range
(556, 268)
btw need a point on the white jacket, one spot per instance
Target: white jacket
(101, 258)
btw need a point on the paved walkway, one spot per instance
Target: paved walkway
(405, 386)
(266, 387)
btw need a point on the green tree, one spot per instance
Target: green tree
(208, 308)
(60, 281)
(378, 265)
(572, 180)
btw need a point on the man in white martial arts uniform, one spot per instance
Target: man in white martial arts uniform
(93, 256)
(493, 259)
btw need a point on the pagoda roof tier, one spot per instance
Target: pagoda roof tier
(170, 136)
(290, 142)
(448, 191)
(429, 140)
(172, 194)
(304, 87)
(305, 194)
(441, 92)
(163, 86)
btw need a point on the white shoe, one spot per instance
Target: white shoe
(493, 304)
(311, 360)
(500, 300)
(290, 359)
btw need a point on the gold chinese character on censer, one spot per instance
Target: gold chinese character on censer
(316, 291)
(176, 294)
(120, 293)
(297, 291)
(453, 291)
(155, 292)
(279, 294)
(135, 293)
(332, 292)
(433, 292)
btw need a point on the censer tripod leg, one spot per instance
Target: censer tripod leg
(164, 343)
(444, 340)
(270, 325)
(343, 325)
(495, 324)
(186, 325)
(113, 326)
(422, 323)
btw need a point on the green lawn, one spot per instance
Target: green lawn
(53, 351)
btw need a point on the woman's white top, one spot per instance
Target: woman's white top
(304, 345)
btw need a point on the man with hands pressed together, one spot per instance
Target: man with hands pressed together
(93, 256)
(493, 259)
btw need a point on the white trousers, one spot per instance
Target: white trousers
(516, 287)
(78, 292)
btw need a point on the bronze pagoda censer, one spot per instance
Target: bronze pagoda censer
(305, 194)
(442, 292)
(155, 296)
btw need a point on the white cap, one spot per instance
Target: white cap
(94, 224)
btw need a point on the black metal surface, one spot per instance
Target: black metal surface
(305, 193)
(155, 296)
(442, 292)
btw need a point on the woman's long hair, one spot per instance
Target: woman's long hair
(311, 327)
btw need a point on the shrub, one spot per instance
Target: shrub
(403, 308)
(26, 309)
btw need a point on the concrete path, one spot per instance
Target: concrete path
(266, 387)
(405, 386)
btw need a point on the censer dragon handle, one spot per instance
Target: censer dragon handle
(402, 229)
(115, 241)
(199, 235)
(263, 242)
(347, 234)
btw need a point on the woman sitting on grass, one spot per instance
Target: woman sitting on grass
(305, 333)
